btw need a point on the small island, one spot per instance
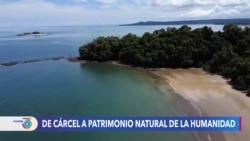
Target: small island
(226, 52)
(35, 33)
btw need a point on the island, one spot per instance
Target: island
(226, 52)
(35, 33)
(192, 22)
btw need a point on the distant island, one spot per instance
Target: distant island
(190, 22)
(30, 33)
(226, 52)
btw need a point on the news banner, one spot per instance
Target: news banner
(29, 123)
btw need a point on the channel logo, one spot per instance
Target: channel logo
(27, 123)
(18, 123)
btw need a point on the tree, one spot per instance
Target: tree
(232, 33)
(226, 53)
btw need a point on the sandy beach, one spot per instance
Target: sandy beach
(203, 94)
(210, 95)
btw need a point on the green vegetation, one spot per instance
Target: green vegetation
(226, 53)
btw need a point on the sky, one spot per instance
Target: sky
(113, 12)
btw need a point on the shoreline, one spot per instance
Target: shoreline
(203, 94)
(210, 95)
(199, 93)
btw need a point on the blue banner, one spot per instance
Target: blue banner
(231, 124)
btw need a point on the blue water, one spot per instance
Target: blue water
(63, 88)
(60, 41)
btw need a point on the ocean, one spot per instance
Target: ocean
(63, 88)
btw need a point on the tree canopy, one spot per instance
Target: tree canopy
(224, 52)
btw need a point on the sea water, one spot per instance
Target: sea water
(63, 88)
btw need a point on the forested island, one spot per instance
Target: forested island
(224, 52)
(190, 22)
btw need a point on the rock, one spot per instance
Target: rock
(30, 33)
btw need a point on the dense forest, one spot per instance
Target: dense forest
(224, 52)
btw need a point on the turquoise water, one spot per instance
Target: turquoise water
(63, 88)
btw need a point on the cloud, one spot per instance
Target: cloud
(216, 11)
(198, 13)
(80, 1)
(39, 12)
(180, 3)
(203, 9)
(232, 2)
(106, 1)
(89, 12)
(173, 3)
